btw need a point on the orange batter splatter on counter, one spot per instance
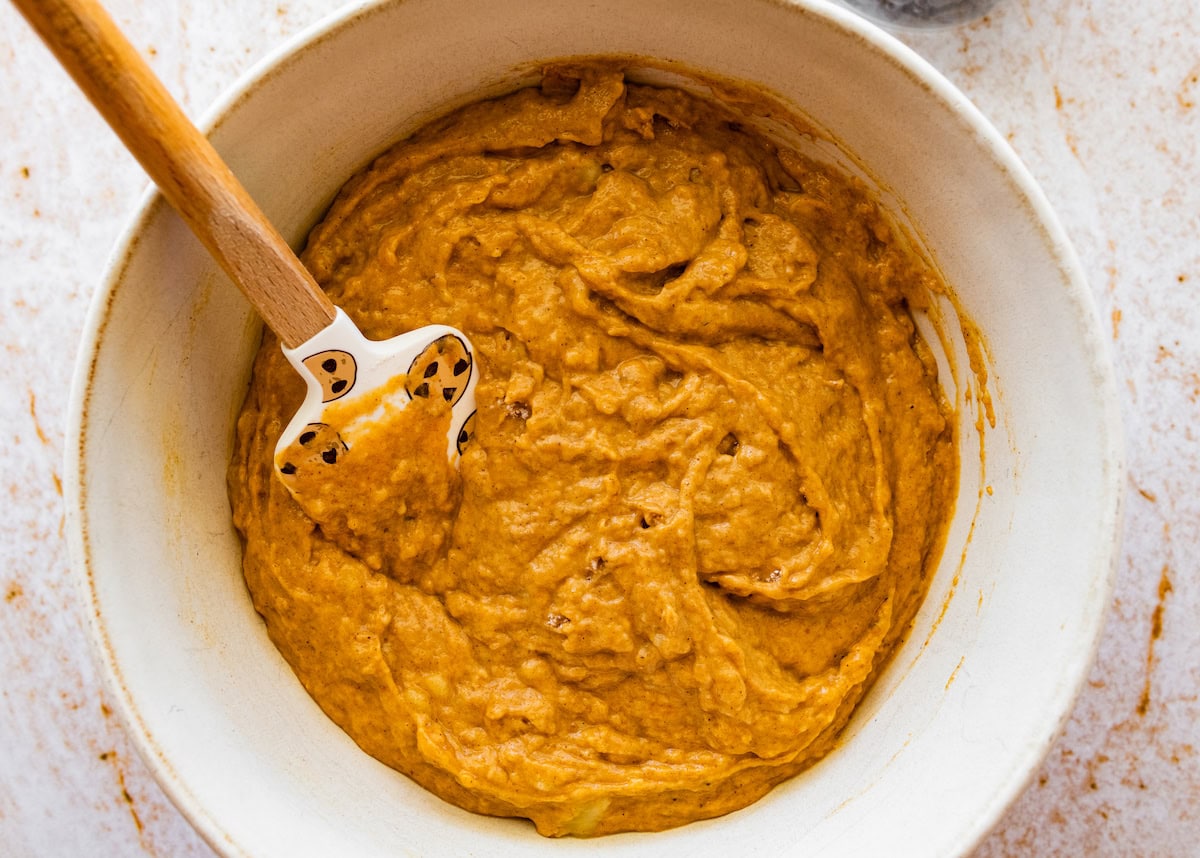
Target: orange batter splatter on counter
(711, 475)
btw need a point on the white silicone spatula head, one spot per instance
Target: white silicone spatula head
(340, 364)
(322, 343)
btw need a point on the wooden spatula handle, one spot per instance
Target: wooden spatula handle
(183, 164)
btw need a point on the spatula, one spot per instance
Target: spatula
(336, 361)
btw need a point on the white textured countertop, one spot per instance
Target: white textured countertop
(1101, 98)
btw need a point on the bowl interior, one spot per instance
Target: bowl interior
(970, 702)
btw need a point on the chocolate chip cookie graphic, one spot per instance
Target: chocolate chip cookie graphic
(318, 446)
(441, 370)
(466, 433)
(336, 370)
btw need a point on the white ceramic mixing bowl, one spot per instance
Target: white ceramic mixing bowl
(970, 703)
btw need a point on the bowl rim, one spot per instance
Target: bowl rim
(1022, 767)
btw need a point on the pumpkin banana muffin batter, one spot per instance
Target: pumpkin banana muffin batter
(711, 472)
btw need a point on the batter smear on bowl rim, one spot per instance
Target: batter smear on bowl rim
(709, 477)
